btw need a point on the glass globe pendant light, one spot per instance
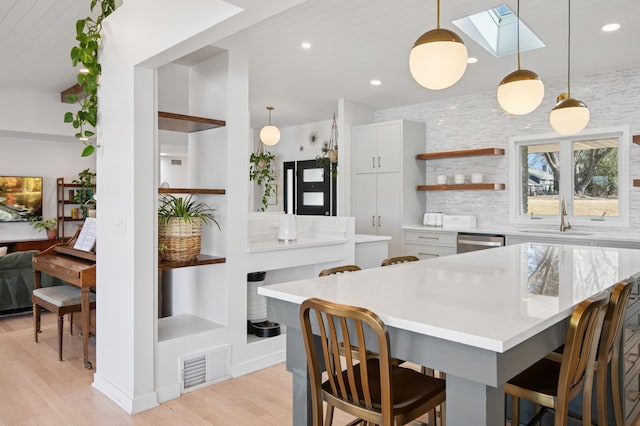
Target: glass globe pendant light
(438, 58)
(521, 91)
(570, 115)
(269, 134)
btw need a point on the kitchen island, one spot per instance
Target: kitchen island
(481, 317)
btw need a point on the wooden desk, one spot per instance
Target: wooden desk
(77, 268)
(481, 317)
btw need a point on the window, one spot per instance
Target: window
(589, 170)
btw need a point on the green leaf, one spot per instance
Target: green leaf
(80, 27)
(88, 150)
(88, 133)
(68, 117)
(71, 99)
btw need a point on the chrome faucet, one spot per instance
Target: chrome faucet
(563, 212)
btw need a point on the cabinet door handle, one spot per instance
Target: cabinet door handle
(378, 161)
(378, 220)
(428, 254)
(428, 238)
(373, 162)
(373, 221)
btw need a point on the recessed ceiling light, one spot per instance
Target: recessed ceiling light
(306, 45)
(611, 27)
(472, 60)
(375, 82)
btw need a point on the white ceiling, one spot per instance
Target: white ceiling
(353, 41)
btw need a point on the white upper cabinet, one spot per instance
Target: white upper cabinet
(378, 147)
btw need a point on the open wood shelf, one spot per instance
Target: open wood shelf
(191, 191)
(186, 123)
(636, 139)
(202, 259)
(463, 186)
(460, 153)
(636, 182)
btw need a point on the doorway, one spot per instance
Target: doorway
(309, 189)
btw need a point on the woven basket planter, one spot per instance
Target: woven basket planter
(181, 239)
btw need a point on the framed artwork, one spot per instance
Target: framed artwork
(20, 198)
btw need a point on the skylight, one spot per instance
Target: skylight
(496, 30)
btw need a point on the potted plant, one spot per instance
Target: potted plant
(180, 227)
(329, 156)
(50, 225)
(84, 195)
(263, 174)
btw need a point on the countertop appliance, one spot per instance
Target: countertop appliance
(471, 242)
(459, 221)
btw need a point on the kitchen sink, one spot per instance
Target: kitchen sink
(554, 232)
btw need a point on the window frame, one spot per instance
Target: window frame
(566, 185)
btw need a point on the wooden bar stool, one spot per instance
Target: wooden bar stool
(61, 300)
(398, 259)
(339, 270)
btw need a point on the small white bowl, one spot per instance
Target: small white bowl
(441, 179)
(459, 179)
(476, 178)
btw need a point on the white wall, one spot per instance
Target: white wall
(140, 37)
(51, 160)
(477, 121)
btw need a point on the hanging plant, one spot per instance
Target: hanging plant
(329, 156)
(261, 172)
(86, 53)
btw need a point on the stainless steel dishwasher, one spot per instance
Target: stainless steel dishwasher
(471, 242)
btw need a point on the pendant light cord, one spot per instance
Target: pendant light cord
(438, 22)
(518, 34)
(569, 51)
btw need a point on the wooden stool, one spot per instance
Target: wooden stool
(63, 299)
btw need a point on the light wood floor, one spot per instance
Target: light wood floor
(37, 389)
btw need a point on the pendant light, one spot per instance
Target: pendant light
(570, 115)
(521, 91)
(438, 58)
(269, 134)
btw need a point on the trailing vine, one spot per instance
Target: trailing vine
(263, 174)
(86, 53)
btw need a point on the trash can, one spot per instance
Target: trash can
(257, 322)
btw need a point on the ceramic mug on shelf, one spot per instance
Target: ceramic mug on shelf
(458, 179)
(476, 178)
(441, 179)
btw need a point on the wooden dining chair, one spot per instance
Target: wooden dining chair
(61, 300)
(553, 384)
(371, 389)
(398, 259)
(339, 270)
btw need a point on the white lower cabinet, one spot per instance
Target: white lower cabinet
(429, 244)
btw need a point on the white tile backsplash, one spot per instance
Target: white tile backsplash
(477, 121)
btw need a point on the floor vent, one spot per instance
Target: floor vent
(204, 368)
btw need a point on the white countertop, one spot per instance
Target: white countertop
(302, 242)
(622, 234)
(363, 238)
(483, 298)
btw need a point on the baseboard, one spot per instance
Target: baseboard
(168, 393)
(128, 404)
(256, 364)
